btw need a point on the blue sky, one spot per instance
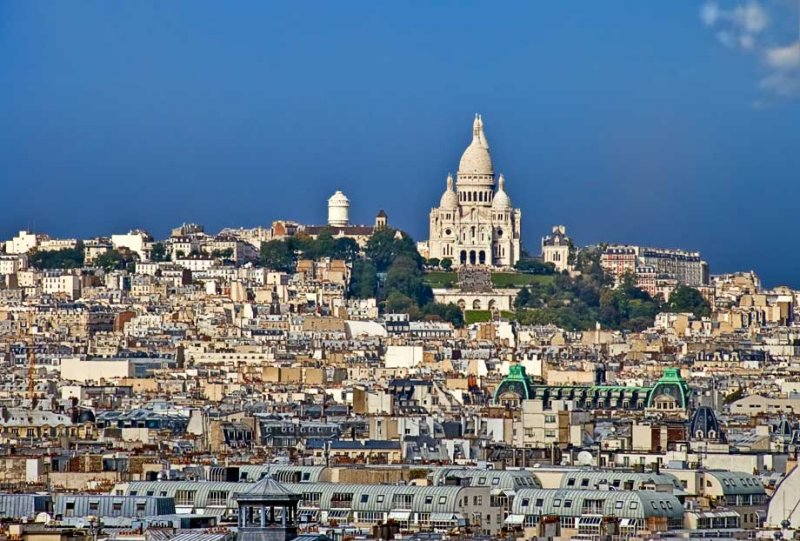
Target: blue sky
(663, 123)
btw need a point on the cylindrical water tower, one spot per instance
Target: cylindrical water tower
(338, 210)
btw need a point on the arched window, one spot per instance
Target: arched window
(476, 304)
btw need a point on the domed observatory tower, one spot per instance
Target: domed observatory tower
(268, 512)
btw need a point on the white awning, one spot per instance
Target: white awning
(308, 515)
(589, 521)
(627, 523)
(400, 515)
(515, 520)
(445, 517)
(339, 514)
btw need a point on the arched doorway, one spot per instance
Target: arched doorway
(463, 257)
(476, 304)
(472, 257)
(482, 257)
(462, 304)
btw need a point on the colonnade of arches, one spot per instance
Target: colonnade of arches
(473, 257)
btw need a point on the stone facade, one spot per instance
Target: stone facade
(475, 223)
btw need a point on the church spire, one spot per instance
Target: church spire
(481, 134)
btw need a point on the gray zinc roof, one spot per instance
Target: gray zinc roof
(616, 503)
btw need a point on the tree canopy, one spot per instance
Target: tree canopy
(583, 301)
(159, 252)
(114, 260)
(68, 258)
(688, 299)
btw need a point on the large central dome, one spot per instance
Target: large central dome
(476, 159)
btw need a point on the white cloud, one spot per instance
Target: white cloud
(751, 18)
(747, 42)
(784, 85)
(784, 58)
(739, 26)
(709, 13)
(726, 38)
(746, 27)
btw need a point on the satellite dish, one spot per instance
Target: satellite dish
(585, 458)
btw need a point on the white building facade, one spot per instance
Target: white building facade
(475, 223)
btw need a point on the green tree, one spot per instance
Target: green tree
(444, 312)
(446, 264)
(385, 245)
(364, 280)
(397, 302)
(68, 258)
(405, 276)
(302, 244)
(433, 262)
(688, 299)
(523, 298)
(110, 260)
(324, 245)
(159, 252)
(276, 255)
(534, 266)
(345, 248)
(224, 253)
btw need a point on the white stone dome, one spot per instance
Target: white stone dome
(338, 199)
(476, 159)
(449, 198)
(501, 200)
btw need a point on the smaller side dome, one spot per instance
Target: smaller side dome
(501, 201)
(704, 425)
(449, 198)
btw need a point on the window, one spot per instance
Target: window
(584, 482)
(428, 500)
(482, 480)
(380, 498)
(526, 502)
(94, 506)
(402, 501)
(571, 482)
(654, 506)
(618, 504)
(184, 497)
(117, 506)
(539, 502)
(495, 481)
(364, 498)
(567, 504)
(442, 500)
(217, 497)
(557, 502)
(634, 505)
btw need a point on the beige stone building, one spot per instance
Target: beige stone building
(475, 223)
